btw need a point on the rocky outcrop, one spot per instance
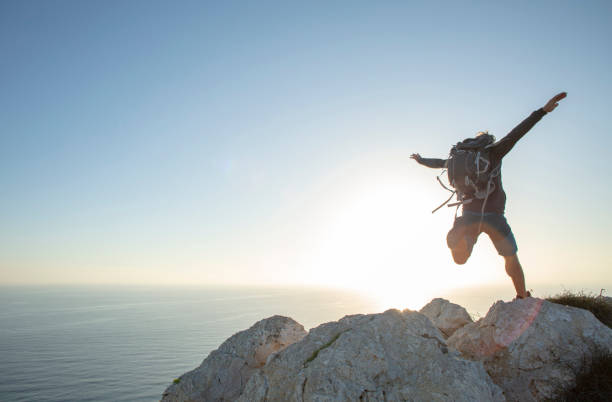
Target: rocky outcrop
(524, 350)
(446, 316)
(224, 373)
(532, 348)
(392, 356)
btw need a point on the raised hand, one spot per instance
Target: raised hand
(416, 157)
(554, 102)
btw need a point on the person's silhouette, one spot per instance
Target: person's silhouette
(487, 215)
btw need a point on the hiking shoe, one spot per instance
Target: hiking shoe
(519, 297)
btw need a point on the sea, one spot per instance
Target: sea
(125, 343)
(103, 343)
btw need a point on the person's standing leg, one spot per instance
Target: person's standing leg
(515, 272)
(496, 226)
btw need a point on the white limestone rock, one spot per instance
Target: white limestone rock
(224, 373)
(446, 316)
(393, 356)
(532, 348)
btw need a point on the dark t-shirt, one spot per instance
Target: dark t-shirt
(497, 200)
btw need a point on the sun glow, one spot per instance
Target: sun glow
(381, 239)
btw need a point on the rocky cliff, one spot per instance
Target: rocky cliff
(525, 350)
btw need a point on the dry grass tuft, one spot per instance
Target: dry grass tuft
(598, 305)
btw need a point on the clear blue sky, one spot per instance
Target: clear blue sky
(268, 142)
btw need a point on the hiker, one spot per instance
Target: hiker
(474, 171)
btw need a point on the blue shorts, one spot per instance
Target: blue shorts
(495, 225)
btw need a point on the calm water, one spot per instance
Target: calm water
(127, 344)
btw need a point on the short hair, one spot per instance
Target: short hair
(485, 133)
(482, 137)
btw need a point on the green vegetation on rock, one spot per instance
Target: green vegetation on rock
(328, 344)
(593, 385)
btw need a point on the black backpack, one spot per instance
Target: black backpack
(470, 170)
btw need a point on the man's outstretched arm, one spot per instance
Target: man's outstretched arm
(429, 162)
(503, 146)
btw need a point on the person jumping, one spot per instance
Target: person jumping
(474, 171)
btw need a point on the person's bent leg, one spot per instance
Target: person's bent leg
(515, 272)
(460, 240)
(461, 251)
